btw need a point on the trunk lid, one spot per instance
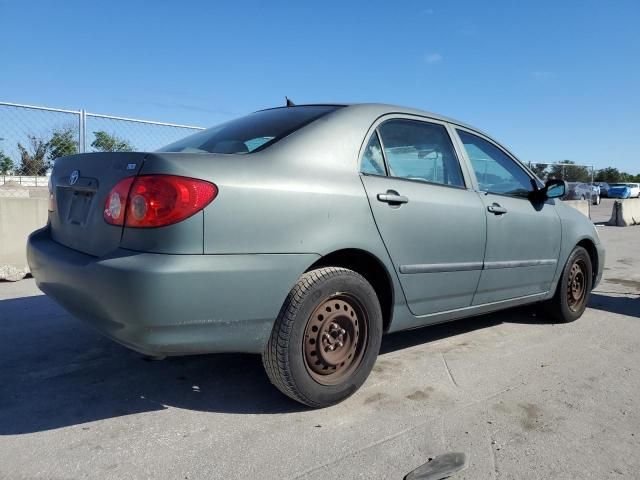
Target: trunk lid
(81, 184)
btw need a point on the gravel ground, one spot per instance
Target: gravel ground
(522, 397)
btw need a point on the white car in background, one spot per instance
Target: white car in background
(635, 190)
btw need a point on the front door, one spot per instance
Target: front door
(523, 238)
(432, 225)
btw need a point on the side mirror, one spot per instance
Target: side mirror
(555, 188)
(552, 189)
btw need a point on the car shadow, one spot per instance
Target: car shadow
(433, 333)
(56, 372)
(623, 305)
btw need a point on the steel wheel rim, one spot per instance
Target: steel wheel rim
(576, 285)
(335, 339)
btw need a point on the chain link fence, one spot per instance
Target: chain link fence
(579, 179)
(568, 171)
(32, 137)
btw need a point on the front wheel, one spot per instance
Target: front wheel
(596, 200)
(326, 338)
(574, 288)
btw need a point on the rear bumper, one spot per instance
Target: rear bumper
(162, 304)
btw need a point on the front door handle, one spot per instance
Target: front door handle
(392, 198)
(497, 209)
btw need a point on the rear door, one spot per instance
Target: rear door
(523, 238)
(433, 226)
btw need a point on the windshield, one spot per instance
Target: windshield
(251, 133)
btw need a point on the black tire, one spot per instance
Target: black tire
(351, 334)
(596, 201)
(574, 288)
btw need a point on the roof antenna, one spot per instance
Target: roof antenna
(289, 102)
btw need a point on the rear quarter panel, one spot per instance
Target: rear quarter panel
(302, 195)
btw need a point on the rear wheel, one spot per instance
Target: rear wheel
(574, 288)
(326, 338)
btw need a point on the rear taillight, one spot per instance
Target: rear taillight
(114, 209)
(156, 200)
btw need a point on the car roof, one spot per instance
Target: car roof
(379, 109)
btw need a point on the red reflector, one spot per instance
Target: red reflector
(157, 200)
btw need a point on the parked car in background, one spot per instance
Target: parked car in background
(582, 191)
(595, 194)
(634, 190)
(621, 190)
(604, 189)
(304, 233)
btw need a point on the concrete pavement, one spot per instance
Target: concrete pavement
(522, 397)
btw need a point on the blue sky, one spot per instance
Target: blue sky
(552, 80)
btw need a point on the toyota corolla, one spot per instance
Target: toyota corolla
(304, 234)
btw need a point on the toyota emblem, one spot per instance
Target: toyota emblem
(73, 178)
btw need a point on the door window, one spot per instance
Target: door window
(495, 170)
(420, 151)
(372, 160)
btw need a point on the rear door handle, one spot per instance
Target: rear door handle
(392, 198)
(496, 209)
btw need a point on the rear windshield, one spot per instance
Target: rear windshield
(251, 133)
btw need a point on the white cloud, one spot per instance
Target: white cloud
(433, 58)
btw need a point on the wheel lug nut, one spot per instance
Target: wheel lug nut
(342, 331)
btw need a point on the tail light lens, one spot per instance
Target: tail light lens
(156, 200)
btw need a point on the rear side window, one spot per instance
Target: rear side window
(372, 160)
(254, 132)
(419, 150)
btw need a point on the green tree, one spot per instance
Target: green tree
(105, 142)
(540, 169)
(33, 160)
(63, 142)
(608, 175)
(6, 164)
(613, 175)
(569, 171)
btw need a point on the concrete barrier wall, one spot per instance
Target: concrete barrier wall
(625, 213)
(581, 205)
(18, 218)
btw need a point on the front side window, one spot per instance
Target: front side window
(495, 170)
(419, 150)
(252, 132)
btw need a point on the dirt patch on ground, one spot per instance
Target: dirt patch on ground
(421, 394)
(531, 418)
